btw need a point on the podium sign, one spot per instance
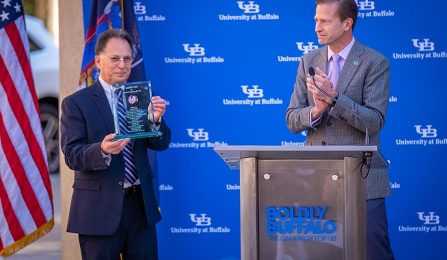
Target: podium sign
(137, 97)
(302, 202)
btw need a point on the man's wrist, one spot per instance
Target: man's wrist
(158, 122)
(150, 117)
(334, 101)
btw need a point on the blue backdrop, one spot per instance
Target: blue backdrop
(227, 69)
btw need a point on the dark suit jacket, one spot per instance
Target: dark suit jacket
(364, 87)
(97, 199)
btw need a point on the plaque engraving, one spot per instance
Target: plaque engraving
(137, 98)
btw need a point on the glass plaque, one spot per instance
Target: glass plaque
(137, 98)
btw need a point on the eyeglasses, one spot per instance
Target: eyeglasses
(116, 60)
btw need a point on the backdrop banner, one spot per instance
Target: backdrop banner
(227, 69)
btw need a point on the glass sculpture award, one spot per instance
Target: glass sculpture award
(137, 111)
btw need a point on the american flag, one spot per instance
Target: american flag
(26, 203)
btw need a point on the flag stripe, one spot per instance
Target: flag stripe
(28, 95)
(37, 150)
(13, 158)
(31, 153)
(14, 134)
(11, 219)
(13, 33)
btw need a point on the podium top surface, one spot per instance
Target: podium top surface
(231, 154)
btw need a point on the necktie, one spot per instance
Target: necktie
(130, 175)
(335, 70)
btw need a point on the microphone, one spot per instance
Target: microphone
(312, 74)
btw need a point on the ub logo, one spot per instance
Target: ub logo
(430, 219)
(253, 92)
(139, 9)
(306, 48)
(194, 51)
(424, 46)
(201, 221)
(250, 8)
(365, 5)
(427, 132)
(198, 136)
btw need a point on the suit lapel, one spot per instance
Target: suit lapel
(321, 62)
(350, 67)
(102, 103)
(348, 71)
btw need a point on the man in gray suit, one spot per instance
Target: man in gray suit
(358, 78)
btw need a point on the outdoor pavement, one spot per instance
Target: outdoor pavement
(49, 246)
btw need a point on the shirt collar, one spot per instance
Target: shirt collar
(106, 86)
(344, 53)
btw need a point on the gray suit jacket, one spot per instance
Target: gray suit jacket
(363, 86)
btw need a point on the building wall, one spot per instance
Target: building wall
(71, 48)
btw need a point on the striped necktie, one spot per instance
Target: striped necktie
(130, 175)
(335, 70)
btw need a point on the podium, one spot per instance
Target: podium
(302, 202)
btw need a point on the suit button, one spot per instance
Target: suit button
(328, 124)
(323, 143)
(120, 183)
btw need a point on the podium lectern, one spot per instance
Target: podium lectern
(305, 202)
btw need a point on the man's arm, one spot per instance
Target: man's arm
(298, 114)
(374, 97)
(79, 154)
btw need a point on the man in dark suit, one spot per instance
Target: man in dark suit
(360, 81)
(112, 216)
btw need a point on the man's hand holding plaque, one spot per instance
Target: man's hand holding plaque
(156, 110)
